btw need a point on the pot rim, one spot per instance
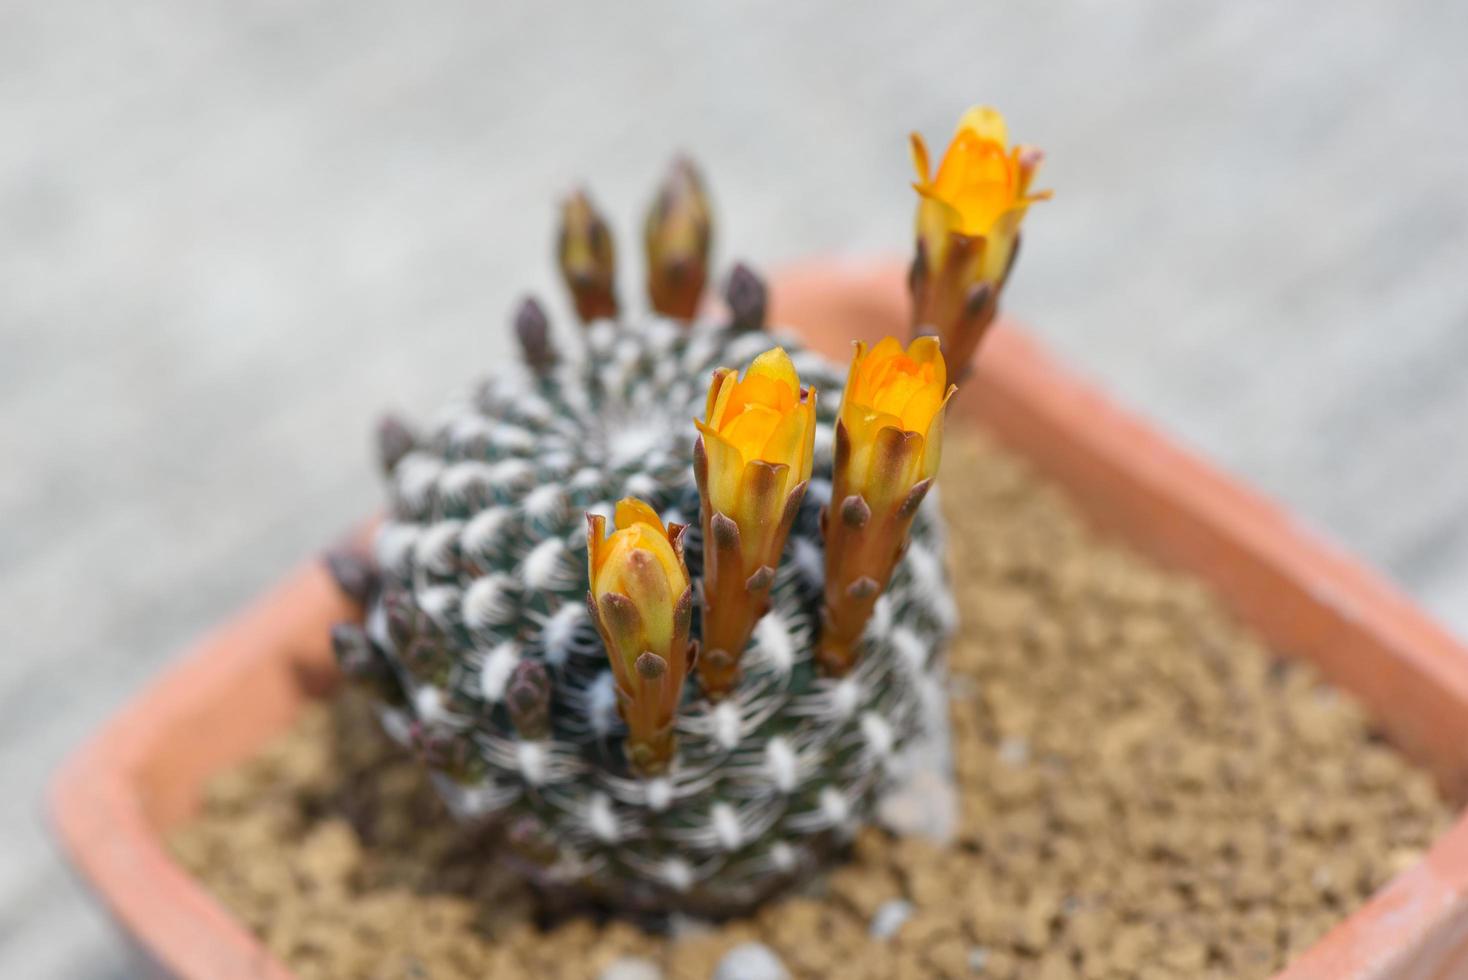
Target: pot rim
(115, 796)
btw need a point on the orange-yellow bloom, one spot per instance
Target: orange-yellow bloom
(642, 562)
(889, 439)
(981, 191)
(642, 605)
(892, 414)
(752, 463)
(764, 417)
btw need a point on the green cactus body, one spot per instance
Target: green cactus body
(481, 647)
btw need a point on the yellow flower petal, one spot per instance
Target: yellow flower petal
(721, 387)
(928, 350)
(596, 546)
(919, 156)
(864, 429)
(761, 501)
(726, 470)
(1000, 244)
(919, 410)
(787, 442)
(985, 122)
(615, 562)
(775, 365)
(644, 577)
(750, 431)
(801, 468)
(978, 180)
(933, 442)
(631, 511)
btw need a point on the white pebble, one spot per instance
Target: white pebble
(751, 961)
(924, 804)
(631, 968)
(889, 918)
(1014, 750)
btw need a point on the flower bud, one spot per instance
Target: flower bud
(528, 698)
(747, 298)
(532, 329)
(678, 236)
(642, 603)
(587, 258)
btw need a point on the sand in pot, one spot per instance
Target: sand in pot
(1145, 792)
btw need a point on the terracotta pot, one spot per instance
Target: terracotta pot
(141, 775)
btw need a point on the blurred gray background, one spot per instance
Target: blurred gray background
(232, 233)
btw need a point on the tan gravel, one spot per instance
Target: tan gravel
(1146, 792)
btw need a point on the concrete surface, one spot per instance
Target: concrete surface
(231, 233)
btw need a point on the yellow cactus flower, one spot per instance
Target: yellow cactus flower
(968, 220)
(892, 414)
(889, 438)
(764, 417)
(981, 190)
(752, 463)
(642, 604)
(641, 562)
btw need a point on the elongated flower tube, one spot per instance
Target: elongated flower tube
(752, 462)
(968, 220)
(588, 258)
(642, 604)
(678, 235)
(889, 440)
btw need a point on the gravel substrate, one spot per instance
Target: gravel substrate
(1145, 792)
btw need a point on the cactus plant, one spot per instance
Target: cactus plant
(622, 769)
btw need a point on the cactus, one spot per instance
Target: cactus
(732, 778)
